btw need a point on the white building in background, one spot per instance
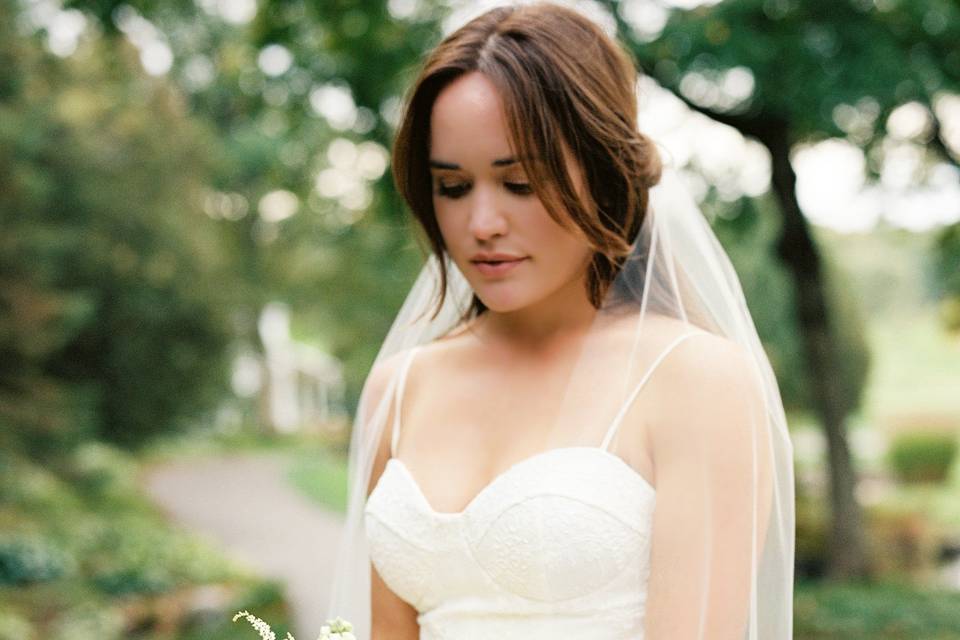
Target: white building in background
(297, 385)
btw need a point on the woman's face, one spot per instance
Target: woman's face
(495, 228)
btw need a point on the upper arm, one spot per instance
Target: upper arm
(377, 407)
(392, 618)
(710, 443)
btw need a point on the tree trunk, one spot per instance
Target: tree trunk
(799, 254)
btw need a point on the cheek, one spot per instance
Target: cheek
(556, 241)
(446, 225)
(455, 234)
(568, 256)
(443, 219)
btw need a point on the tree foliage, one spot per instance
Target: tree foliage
(829, 69)
(114, 289)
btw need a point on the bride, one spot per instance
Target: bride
(571, 429)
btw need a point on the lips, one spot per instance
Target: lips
(495, 256)
(498, 267)
(497, 261)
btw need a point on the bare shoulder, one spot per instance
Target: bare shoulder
(702, 357)
(701, 349)
(443, 356)
(438, 357)
(432, 350)
(376, 409)
(382, 372)
(705, 377)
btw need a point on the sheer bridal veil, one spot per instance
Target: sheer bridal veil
(722, 548)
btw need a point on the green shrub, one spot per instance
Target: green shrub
(922, 456)
(265, 597)
(100, 471)
(903, 540)
(84, 555)
(27, 559)
(881, 611)
(88, 621)
(15, 627)
(125, 580)
(134, 556)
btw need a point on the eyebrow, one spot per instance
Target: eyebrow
(499, 162)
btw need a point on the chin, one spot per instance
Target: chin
(497, 307)
(504, 301)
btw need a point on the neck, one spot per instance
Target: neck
(566, 314)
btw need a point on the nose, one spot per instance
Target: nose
(486, 218)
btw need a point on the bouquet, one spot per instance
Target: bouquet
(337, 629)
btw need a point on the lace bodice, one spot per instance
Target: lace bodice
(492, 570)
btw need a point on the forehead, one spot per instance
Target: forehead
(468, 122)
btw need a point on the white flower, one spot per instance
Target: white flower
(337, 629)
(262, 627)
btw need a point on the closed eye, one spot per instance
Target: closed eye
(458, 190)
(451, 191)
(520, 188)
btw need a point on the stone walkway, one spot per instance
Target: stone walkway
(244, 503)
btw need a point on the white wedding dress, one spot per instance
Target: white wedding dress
(493, 571)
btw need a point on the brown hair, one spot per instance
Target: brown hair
(565, 84)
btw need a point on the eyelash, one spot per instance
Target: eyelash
(456, 191)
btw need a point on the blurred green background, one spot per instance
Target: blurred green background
(201, 250)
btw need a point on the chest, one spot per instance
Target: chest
(490, 417)
(454, 459)
(558, 525)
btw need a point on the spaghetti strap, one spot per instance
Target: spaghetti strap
(398, 399)
(633, 394)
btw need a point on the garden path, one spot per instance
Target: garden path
(245, 504)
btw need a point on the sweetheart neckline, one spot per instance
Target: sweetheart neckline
(499, 477)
